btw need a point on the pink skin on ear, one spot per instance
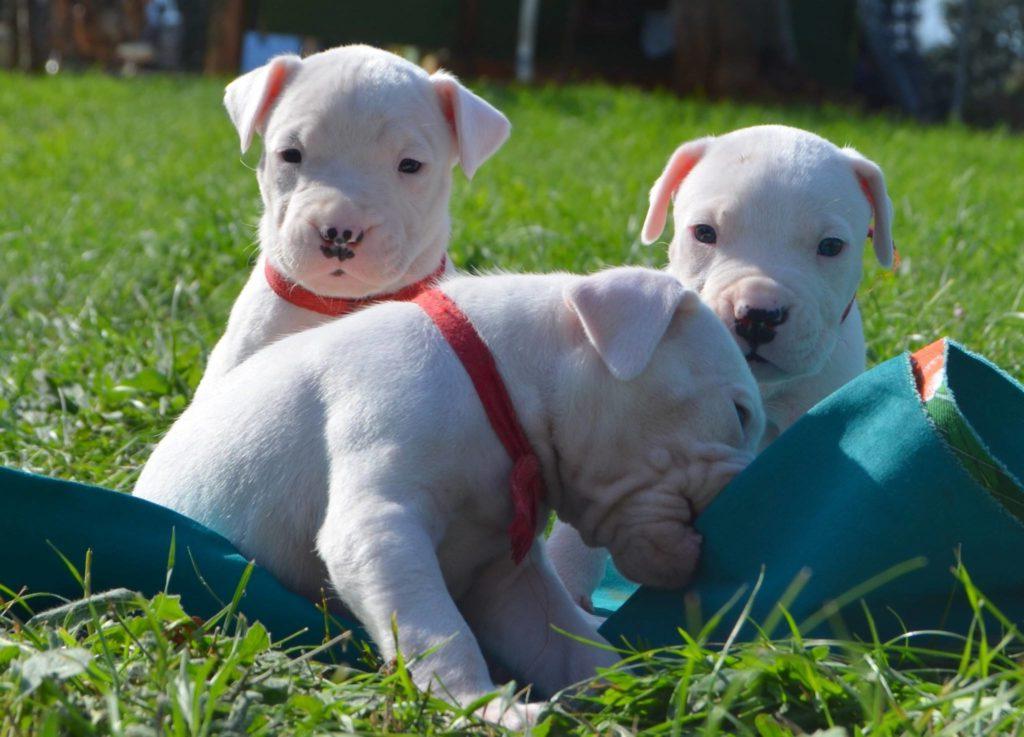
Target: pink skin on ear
(872, 183)
(885, 253)
(250, 98)
(625, 313)
(275, 82)
(680, 164)
(480, 129)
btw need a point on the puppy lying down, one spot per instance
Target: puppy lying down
(359, 456)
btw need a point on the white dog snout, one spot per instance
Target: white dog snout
(342, 237)
(758, 295)
(340, 243)
(339, 217)
(342, 226)
(756, 308)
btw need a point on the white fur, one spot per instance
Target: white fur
(354, 113)
(357, 455)
(772, 193)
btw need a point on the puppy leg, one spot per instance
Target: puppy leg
(579, 566)
(382, 563)
(513, 610)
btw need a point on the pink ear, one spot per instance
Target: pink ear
(250, 97)
(679, 165)
(625, 313)
(872, 181)
(480, 128)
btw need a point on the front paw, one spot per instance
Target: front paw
(513, 715)
(584, 666)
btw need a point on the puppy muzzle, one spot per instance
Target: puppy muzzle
(662, 554)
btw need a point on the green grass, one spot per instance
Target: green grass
(126, 230)
(119, 664)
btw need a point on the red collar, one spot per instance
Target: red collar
(299, 296)
(526, 481)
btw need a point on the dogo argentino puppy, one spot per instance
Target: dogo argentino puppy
(356, 175)
(769, 226)
(397, 453)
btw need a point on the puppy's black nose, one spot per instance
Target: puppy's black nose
(757, 326)
(771, 318)
(347, 236)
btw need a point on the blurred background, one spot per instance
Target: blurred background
(933, 60)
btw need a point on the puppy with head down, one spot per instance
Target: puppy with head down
(358, 456)
(770, 223)
(355, 177)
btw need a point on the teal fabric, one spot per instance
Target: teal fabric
(860, 485)
(863, 483)
(130, 540)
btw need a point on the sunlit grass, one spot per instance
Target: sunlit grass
(119, 663)
(126, 230)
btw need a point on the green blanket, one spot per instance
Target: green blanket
(46, 521)
(869, 497)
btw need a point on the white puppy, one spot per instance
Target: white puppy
(769, 227)
(359, 453)
(355, 176)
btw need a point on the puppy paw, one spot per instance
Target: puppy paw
(514, 715)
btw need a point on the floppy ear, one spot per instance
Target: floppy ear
(872, 181)
(250, 97)
(682, 160)
(480, 128)
(625, 313)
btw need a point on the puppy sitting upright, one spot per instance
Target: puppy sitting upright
(355, 177)
(769, 227)
(769, 223)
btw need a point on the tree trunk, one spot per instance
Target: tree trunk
(963, 62)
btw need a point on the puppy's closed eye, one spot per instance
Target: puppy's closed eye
(743, 414)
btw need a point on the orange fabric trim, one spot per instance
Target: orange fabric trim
(928, 364)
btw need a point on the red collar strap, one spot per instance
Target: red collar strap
(526, 481)
(299, 296)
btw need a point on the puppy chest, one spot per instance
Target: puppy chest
(478, 535)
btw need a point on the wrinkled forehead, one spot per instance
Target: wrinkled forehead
(365, 99)
(780, 178)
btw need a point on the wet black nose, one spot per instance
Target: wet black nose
(772, 318)
(757, 326)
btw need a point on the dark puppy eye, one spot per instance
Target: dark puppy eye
(743, 413)
(409, 166)
(705, 233)
(292, 155)
(830, 247)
